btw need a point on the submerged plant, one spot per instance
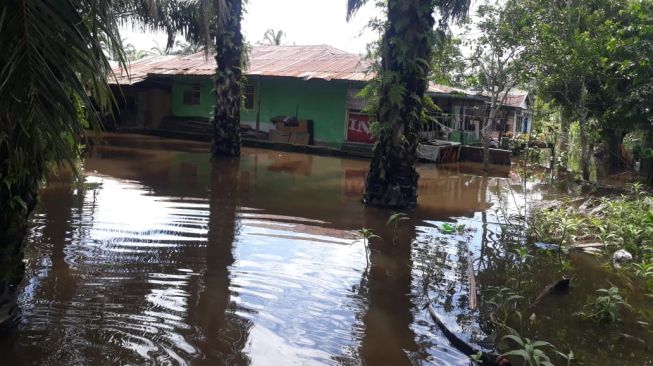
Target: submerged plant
(523, 258)
(447, 228)
(532, 352)
(557, 226)
(504, 300)
(367, 234)
(394, 220)
(605, 308)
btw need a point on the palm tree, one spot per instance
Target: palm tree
(133, 54)
(47, 84)
(273, 38)
(188, 48)
(401, 83)
(53, 86)
(159, 51)
(228, 77)
(222, 27)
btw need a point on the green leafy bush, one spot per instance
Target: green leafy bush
(606, 307)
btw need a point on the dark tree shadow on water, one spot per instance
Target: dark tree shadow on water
(388, 338)
(223, 334)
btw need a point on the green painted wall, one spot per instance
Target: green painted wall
(205, 108)
(322, 101)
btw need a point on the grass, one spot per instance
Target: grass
(619, 222)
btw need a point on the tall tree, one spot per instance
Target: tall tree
(570, 44)
(228, 78)
(273, 38)
(56, 66)
(188, 48)
(401, 82)
(499, 59)
(217, 22)
(627, 91)
(448, 62)
(54, 86)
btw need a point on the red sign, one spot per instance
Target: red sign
(358, 128)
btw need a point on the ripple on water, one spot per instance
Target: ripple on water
(136, 274)
(300, 283)
(123, 292)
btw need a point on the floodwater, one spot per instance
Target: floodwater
(161, 257)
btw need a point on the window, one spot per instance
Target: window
(250, 95)
(192, 95)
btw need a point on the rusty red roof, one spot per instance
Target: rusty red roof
(444, 89)
(517, 99)
(306, 62)
(138, 70)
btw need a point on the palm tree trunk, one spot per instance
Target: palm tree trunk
(405, 51)
(228, 74)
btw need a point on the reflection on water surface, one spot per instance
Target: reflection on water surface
(162, 257)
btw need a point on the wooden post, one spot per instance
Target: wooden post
(462, 124)
(258, 108)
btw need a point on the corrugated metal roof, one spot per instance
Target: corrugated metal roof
(444, 89)
(516, 98)
(138, 70)
(306, 62)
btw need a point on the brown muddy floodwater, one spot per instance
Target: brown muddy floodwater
(161, 257)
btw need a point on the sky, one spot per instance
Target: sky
(303, 21)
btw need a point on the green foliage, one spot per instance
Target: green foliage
(503, 301)
(533, 353)
(394, 220)
(606, 307)
(592, 62)
(621, 222)
(401, 62)
(500, 58)
(644, 270)
(447, 228)
(54, 85)
(448, 63)
(559, 225)
(477, 357)
(396, 217)
(273, 38)
(367, 234)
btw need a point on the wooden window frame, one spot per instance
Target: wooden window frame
(250, 97)
(192, 96)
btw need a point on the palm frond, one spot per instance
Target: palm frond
(53, 78)
(452, 10)
(353, 6)
(196, 20)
